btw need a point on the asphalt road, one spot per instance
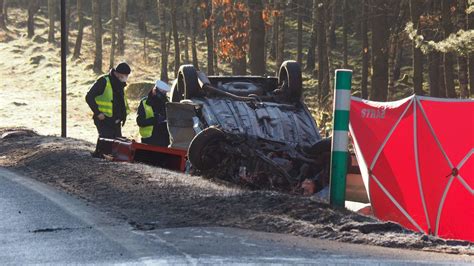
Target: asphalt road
(41, 225)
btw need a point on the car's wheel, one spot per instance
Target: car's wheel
(175, 95)
(187, 86)
(203, 152)
(290, 75)
(320, 147)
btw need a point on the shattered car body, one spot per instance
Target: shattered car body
(249, 130)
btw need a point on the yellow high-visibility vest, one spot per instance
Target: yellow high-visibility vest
(105, 100)
(147, 131)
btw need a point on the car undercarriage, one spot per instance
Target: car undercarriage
(254, 131)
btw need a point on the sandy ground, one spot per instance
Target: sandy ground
(30, 80)
(149, 197)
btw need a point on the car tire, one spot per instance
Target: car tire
(201, 158)
(175, 95)
(290, 73)
(320, 147)
(187, 86)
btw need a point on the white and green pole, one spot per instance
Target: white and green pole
(340, 138)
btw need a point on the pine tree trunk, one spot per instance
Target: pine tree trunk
(463, 76)
(163, 40)
(174, 25)
(397, 63)
(6, 4)
(97, 24)
(396, 45)
(416, 9)
(331, 34)
(239, 66)
(380, 41)
(267, 44)
(433, 71)
(186, 39)
(80, 30)
(141, 5)
(33, 6)
(448, 57)
(51, 14)
(462, 60)
(344, 33)
(395, 53)
(434, 57)
(215, 34)
(122, 22)
(256, 38)
(216, 44)
(192, 12)
(275, 31)
(299, 37)
(471, 74)
(330, 16)
(145, 45)
(310, 58)
(210, 40)
(323, 61)
(2, 16)
(441, 77)
(113, 16)
(281, 34)
(170, 37)
(365, 51)
(186, 25)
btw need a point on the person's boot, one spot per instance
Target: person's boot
(97, 153)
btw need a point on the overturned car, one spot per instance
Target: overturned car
(250, 130)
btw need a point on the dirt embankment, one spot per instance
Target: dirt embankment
(149, 197)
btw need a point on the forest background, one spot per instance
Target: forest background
(395, 48)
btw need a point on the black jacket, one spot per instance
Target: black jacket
(160, 132)
(119, 111)
(157, 103)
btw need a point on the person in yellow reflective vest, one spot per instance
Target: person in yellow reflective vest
(151, 116)
(108, 102)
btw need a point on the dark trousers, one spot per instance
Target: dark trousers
(160, 136)
(107, 128)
